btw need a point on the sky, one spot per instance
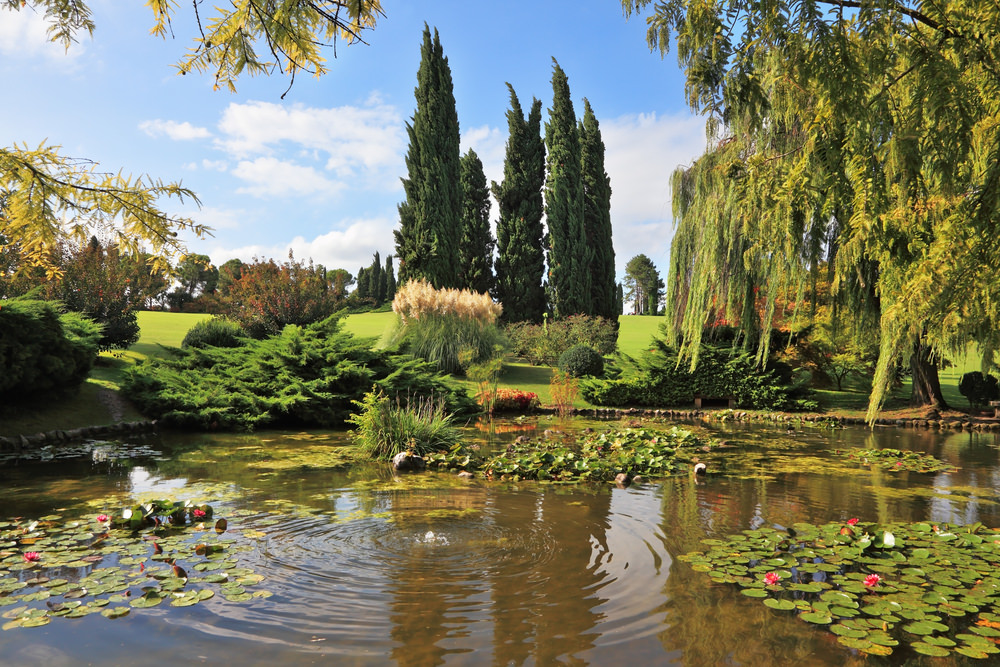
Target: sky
(318, 172)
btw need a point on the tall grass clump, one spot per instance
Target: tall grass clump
(564, 389)
(386, 427)
(450, 328)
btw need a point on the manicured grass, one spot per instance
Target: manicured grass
(372, 325)
(635, 332)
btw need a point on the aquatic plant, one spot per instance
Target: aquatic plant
(894, 460)
(934, 588)
(386, 427)
(145, 555)
(598, 457)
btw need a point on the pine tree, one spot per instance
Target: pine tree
(520, 263)
(569, 256)
(477, 243)
(597, 217)
(429, 220)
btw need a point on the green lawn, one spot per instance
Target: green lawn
(168, 329)
(635, 332)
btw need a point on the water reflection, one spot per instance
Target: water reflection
(426, 570)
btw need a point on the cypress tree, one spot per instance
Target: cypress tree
(597, 217)
(569, 256)
(390, 280)
(476, 247)
(376, 281)
(430, 217)
(520, 263)
(362, 290)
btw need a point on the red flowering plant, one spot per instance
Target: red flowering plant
(509, 400)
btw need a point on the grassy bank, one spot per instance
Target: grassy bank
(98, 402)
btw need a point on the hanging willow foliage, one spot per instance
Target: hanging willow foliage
(865, 135)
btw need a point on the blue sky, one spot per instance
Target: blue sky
(319, 171)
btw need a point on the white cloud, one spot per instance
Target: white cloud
(490, 145)
(215, 165)
(268, 176)
(23, 34)
(369, 137)
(349, 248)
(221, 218)
(641, 153)
(174, 130)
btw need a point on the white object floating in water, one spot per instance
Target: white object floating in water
(431, 538)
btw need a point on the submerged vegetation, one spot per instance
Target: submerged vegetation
(931, 587)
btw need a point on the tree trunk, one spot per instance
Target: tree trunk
(926, 384)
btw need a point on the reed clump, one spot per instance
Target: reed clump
(419, 425)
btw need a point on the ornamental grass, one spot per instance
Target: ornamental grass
(450, 328)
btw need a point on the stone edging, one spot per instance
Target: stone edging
(22, 442)
(952, 423)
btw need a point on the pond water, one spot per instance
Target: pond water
(366, 569)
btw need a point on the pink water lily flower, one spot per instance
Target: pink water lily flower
(852, 522)
(31, 556)
(103, 518)
(771, 578)
(199, 514)
(872, 580)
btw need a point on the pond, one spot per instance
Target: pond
(353, 566)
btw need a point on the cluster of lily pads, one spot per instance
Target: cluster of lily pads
(597, 457)
(894, 460)
(933, 588)
(148, 554)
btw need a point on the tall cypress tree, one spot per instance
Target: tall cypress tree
(376, 281)
(569, 256)
(430, 218)
(476, 247)
(520, 263)
(597, 217)
(390, 280)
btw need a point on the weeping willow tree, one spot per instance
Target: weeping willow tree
(865, 134)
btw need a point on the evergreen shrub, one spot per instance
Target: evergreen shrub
(43, 351)
(307, 376)
(978, 388)
(215, 332)
(582, 360)
(543, 344)
(659, 379)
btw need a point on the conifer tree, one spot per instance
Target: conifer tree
(390, 280)
(430, 218)
(520, 263)
(597, 217)
(569, 260)
(376, 281)
(477, 243)
(362, 291)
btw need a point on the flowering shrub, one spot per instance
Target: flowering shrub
(509, 400)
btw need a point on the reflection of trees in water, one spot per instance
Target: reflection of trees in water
(531, 587)
(712, 624)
